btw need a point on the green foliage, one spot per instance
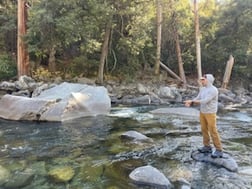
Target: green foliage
(42, 74)
(7, 67)
(76, 29)
(8, 26)
(229, 31)
(81, 66)
(127, 72)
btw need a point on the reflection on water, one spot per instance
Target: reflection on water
(92, 148)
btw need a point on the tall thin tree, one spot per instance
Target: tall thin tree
(197, 38)
(159, 36)
(177, 44)
(179, 57)
(104, 52)
(23, 65)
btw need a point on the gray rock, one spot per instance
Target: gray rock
(41, 87)
(4, 175)
(150, 176)
(165, 92)
(20, 179)
(183, 111)
(7, 86)
(25, 82)
(246, 171)
(142, 89)
(62, 102)
(226, 161)
(21, 108)
(136, 136)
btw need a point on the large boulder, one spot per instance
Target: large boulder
(62, 102)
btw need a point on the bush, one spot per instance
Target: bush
(83, 66)
(8, 67)
(42, 74)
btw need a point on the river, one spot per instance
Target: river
(93, 149)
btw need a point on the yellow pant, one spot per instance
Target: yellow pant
(209, 129)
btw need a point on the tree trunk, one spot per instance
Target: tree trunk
(228, 71)
(197, 39)
(159, 36)
(104, 53)
(179, 56)
(52, 63)
(23, 65)
(170, 72)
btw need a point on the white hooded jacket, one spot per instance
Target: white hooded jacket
(208, 96)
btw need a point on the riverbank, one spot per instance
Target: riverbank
(159, 91)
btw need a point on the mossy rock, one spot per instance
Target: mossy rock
(90, 172)
(61, 174)
(20, 179)
(4, 175)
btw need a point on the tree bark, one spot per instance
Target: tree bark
(179, 56)
(51, 62)
(104, 53)
(197, 39)
(170, 72)
(228, 72)
(23, 65)
(159, 36)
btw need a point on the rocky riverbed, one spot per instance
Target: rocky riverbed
(148, 128)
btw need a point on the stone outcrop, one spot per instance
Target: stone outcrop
(59, 103)
(181, 111)
(150, 176)
(226, 161)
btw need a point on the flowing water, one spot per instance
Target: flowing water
(93, 149)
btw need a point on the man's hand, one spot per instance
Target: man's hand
(196, 102)
(188, 103)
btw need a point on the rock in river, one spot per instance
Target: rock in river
(181, 111)
(135, 136)
(226, 161)
(150, 176)
(62, 174)
(62, 102)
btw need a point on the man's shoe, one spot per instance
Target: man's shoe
(205, 149)
(217, 154)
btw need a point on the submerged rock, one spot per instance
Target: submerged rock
(4, 175)
(183, 111)
(226, 161)
(135, 136)
(61, 174)
(150, 176)
(20, 179)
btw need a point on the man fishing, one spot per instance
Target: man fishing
(208, 101)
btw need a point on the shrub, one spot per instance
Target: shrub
(8, 67)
